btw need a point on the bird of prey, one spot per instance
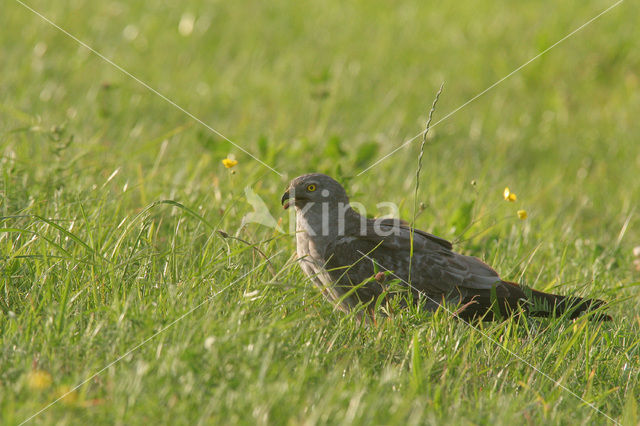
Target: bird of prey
(351, 259)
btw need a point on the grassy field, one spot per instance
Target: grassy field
(111, 198)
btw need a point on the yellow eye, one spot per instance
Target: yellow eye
(311, 188)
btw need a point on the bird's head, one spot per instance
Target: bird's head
(314, 188)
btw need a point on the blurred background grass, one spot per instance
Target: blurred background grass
(305, 86)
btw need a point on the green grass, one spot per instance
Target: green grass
(92, 263)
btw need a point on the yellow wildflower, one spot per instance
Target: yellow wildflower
(39, 380)
(508, 195)
(68, 396)
(522, 214)
(229, 162)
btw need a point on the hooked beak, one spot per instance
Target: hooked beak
(286, 200)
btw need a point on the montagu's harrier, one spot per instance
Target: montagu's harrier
(344, 254)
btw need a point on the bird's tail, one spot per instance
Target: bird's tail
(547, 304)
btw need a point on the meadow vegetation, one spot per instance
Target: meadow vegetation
(111, 199)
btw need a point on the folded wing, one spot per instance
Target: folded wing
(437, 272)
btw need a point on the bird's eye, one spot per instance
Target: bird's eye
(311, 188)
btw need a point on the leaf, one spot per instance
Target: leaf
(416, 361)
(333, 148)
(461, 218)
(630, 410)
(495, 304)
(365, 154)
(263, 146)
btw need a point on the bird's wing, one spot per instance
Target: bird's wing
(349, 268)
(405, 226)
(436, 271)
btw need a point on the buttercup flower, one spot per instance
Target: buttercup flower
(68, 396)
(508, 195)
(522, 214)
(39, 380)
(229, 162)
